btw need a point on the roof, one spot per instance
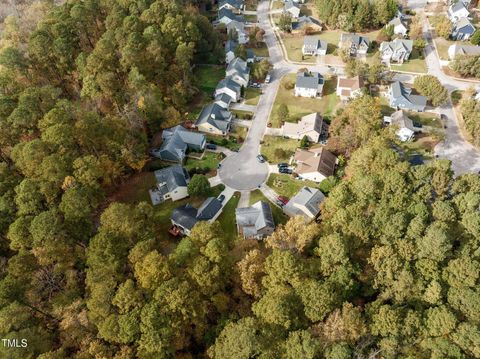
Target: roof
(185, 215)
(459, 49)
(400, 119)
(305, 21)
(354, 39)
(396, 45)
(397, 21)
(458, 6)
(313, 43)
(209, 208)
(463, 23)
(401, 92)
(308, 123)
(353, 83)
(215, 115)
(238, 66)
(173, 177)
(309, 80)
(177, 139)
(315, 160)
(228, 83)
(237, 4)
(230, 45)
(254, 218)
(224, 12)
(224, 98)
(289, 4)
(307, 197)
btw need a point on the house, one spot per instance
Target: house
(256, 221)
(398, 50)
(309, 84)
(312, 45)
(399, 27)
(354, 44)
(228, 87)
(185, 217)
(214, 119)
(231, 47)
(235, 6)
(292, 8)
(238, 71)
(226, 16)
(457, 11)
(462, 29)
(176, 142)
(238, 28)
(314, 164)
(459, 49)
(406, 129)
(223, 100)
(401, 98)
(348, 88)
(305, 203)
(304, 21)
(171, 184)
(311, 125)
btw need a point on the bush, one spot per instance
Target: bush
(198, 186)
(327, 184)
(289, 85)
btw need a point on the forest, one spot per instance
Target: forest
(391, 271)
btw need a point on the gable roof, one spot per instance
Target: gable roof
(315, 160)
(460, 49)
(172, 177)
(400, 119)
(228, 83)
(309, 80)
(230, 45)
(224, 12)
(185, 215)
(401, 92)
(463, 24)
(237, 65)
(354, 39)
(397, 45)
(397, 21)
(313, 43)
(177, 139)
(237, 4)
(254, 218)
(458, 6)
(215, 115)
(308, 123)
(352, 83)
(209, 208)
(305, 21)
(307, 197)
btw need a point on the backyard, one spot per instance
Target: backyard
(207, 78)
(286, 185)
(426, 119)
(227, 219)
(277, 149)
(261, 50)
(278, 216)
(301, 106)
(416, 63)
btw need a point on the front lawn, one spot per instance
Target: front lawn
(442, 46)
(227, 219)
(301, 106)
(208, 164)
(252, 96)
(242, 115)
(278, 216)
(286, 185)
(278, 149)
(415, 64)
(250, 18)
(426, 119)
(261, 50)
(293, 44)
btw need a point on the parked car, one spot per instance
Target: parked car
(221, 197)
(282, 199)
(285, 170)
(268, 78)
(261, 159)
(211, 146)
(283, 164)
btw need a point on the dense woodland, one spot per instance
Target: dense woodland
(392, 269)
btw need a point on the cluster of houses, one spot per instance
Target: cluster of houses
(229, 14)
(459, 15)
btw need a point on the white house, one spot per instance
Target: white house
(228, 87)
(256, 221)
(315, 164)
(172, 184)
(310, 125)
(354, 44)
(405, 128)
(399, 27)
(457, 11)
(309, 84)
(305, 203)
(234, 5)
(349, 88)
(238, 71)
(312, 45)
(292, 8)
(214, 119)
(398, 50)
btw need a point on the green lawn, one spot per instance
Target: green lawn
(250, 18)
(414, 64)
(242, 115)
(332, 37)
(208, 163)
(278, 216)
(442, 46)
(301, 106)
(271, 146)
(286, 185)
(426, 119)
(227, 218)
(261, 50)
(293, 44)
(208, 77)
(252, 96)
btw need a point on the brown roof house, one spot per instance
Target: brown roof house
(315, 164)
(348, 88)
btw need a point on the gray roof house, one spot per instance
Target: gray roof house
(214, 119)
(185, 217)
(398, 50)
(231, 46)
(305, 203)
(226, 16)
(312, 45)
(255, 221)
(309, 84)
(457, 11)
(406, 129)
(401, 98)
(229, 87)
(171, 184)
(306, 21)
(292, 8)
(176, 142)
(223, 100)
(354, 44)
(462, 29)
(459, 49)
(233, 5)
(399, 27)
(238, 71)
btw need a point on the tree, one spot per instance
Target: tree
(241, 51)
(198, 186)
(431, 87)
(443, 27)
(285, 22)
(283, 113)
(259, 70)
(304, 142)
(475, 39)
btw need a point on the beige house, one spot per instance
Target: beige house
(315, 164)
(309, 125)
(305, 203)
(348, 88)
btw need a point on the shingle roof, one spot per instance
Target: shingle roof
(355, 39)
(173, 177)
(215, 115)
(307, 197)
(309, 81)
(289, 4)
(238, 66)
(352, 84)
(230, 45)
(458, 6)
(459, 49)
(185, 215)
(313, 43)
(315, 160)
(397, 44)
(399, 91)
(209, 209)
(254, 218)
(305, 21)
(237, 4)
(463, 23)
(308, 123)
(400, 119)
(228, 83)
(177, 139)
(397, 21)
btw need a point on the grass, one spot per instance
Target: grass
(252, 96)
(227, 218)
(286, 185)
(416, 63)
(208, 78)
(250, 18)
(243, 115)
(301, 106)
(442, 46)
(278, 216)
(424, 144)
(261, 50)
(277, 5)
(426, 119)
(278, 149)
(208, 163)
(293, 44)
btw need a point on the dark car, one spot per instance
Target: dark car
(282, 199)
(221, 198)
(285, 170)
(283, 164)
(260, 159)
(211, 146)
